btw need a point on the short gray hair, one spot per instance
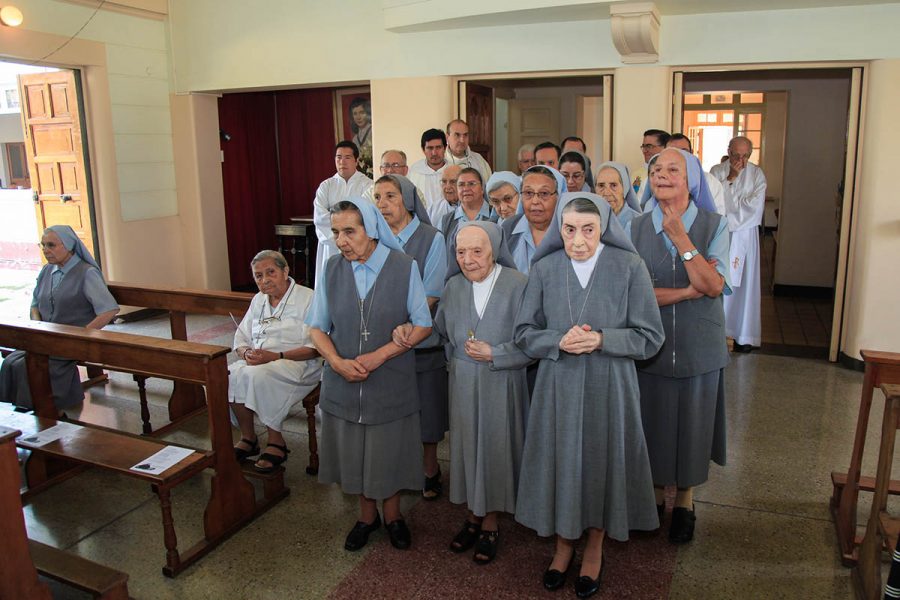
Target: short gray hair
(278, 257)
(524, 148)
(400, 152)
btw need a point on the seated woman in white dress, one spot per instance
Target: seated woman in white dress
(278, 363)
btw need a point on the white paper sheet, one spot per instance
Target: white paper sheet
(51, 434)
(162, 460)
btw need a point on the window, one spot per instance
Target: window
(11, 97)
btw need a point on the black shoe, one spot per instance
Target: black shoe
(742, 348)
(553, 579)
(585, 587)
(359, 535)
(466, 537)
(433, 487)
(682, 529)
(399, 534)
(486, 548)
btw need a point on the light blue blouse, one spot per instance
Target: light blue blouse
(627, 214)
(364, 275)
(718, 247)
(435, 262)
(524, 249)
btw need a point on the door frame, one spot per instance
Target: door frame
(853, 154)
(606, 80)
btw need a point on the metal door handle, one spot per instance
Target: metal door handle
(65, 198)
(36, 197)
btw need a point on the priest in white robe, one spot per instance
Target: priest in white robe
(745, 201)
(348, 181)
(426, 173)
(459, 153)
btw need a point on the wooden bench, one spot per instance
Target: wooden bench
(232, 502)
(881, 368)
(187, 399)
(80, 573)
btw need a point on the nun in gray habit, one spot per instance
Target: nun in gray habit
(488, 388)
(396, 198)
(589, 312)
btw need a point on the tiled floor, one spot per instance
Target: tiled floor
(791, 322)
(763, 529)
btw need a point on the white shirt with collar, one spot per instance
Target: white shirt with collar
(332, 191)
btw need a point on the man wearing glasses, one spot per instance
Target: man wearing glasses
(745, 203)
(393, 162)
(655, 141)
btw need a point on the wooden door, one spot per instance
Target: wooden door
(480, 118)
(18, 166)
(54, 146)
(532, 121)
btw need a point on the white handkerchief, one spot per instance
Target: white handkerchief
(162, 460)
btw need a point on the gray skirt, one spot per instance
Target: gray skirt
(376, 461)
(684, 424)
(64, 382)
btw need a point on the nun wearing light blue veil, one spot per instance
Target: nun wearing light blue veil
(70, 290)
(370, 412)
(612, 184)
(588, 313)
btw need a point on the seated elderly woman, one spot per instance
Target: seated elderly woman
(612, 185)
(70, 290)
(588, 313)
(503, 193)
(488, 387)
(278, 363)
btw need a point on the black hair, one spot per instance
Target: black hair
(433, 134)
(662, 137)
(681, 136)
(472, 171)
(348, 144)
(574, 138)
(574, 157)
(544, 145)
(367, 106)
(540, 170)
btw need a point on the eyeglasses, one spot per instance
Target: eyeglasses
(387, 166)
(467, 184)
(650, 146)
(48, 245)
(528, 194)
(574, 176)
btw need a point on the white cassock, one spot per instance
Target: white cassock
(745, 203)
(428, 182)
(330, 192)
(272, 389)
(471, 159)
(437, 211)
(718, 192)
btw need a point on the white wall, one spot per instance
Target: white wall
(813, 168)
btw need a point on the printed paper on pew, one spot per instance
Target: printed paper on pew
(162, 460)
(51, 434)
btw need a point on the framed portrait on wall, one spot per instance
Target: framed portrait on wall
(353, 121)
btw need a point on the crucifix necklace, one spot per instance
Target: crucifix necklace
(587, 294)
(364, 320)
(496, 273)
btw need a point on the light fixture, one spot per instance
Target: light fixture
(11, 16)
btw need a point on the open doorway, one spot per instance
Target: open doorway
(799, 123)
(505, 113)
(43, 173)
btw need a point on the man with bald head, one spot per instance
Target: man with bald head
(745, 202)
(449, 195)
(458, 151)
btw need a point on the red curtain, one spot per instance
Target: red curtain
(305, 144)
(279, 149)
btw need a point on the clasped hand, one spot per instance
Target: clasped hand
(258, 356)
(358, 369)
(581, 340)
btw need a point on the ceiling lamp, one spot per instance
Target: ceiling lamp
(11, 16)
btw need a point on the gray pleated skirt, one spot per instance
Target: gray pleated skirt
(684, 424)
(376, 461)
(433, 404)
(64, 382)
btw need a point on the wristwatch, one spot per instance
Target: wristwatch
(689, 255)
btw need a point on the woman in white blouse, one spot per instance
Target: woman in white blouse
(278, 365)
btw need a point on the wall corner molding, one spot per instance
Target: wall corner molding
(635, 31)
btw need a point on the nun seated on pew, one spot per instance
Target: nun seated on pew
(278, 364)
(70, 290)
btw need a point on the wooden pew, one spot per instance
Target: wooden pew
(232, 502)
(881, 368)
(187, 399)
(18, 577)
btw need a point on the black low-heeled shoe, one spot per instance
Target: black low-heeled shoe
(681, 531)
(553, 579)
(274, 460)
(585, 587)
(433, 487)
(241, 453)
(397, 530)
(486, 547)
(359, 535)
(466, 537)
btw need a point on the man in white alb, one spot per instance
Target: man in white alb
(393, 162)
(426, 173)
(458, 151)
(449, 195)
(343, 184)
(745, 202)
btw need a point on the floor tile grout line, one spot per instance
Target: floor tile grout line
(108, 523)
(766, 511)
